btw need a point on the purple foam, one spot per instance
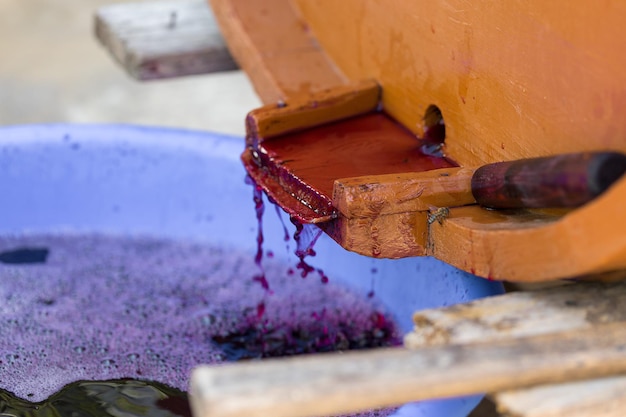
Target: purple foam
(106, 307)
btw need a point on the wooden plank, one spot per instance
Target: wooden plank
(275, 47)
(329, 384)
(604, 397)
(163, 39)
(377, 195)
(569, 307)
(520, 314)
(322, 107)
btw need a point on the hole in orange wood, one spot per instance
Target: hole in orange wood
(434, 126)
(434, 131)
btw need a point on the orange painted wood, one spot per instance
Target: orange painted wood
(512, 79)
(272, 44)
(394, 236)
(323, 107)
(307, 163)
(377, 195)
(535, 246)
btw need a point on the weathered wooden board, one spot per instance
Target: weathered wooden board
(569, 307)
(521, 314)
(329, 384)
(604, 397)
(162, 39)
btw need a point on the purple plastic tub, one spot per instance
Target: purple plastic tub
(171, 206)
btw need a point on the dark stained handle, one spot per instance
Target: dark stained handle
(568, 180)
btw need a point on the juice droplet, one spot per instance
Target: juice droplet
(305, 237)
(262, 279)
(279, 212)
(259, 207)
(260, 310)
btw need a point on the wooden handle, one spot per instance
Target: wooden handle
(568, 180)
(330, 384)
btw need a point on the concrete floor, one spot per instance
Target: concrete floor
(52, 69)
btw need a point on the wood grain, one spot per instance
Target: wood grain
(512, 80)
(535, 245)
(273, 45)
(378, 195)
(319, 108)
(520, 314)
(394, 236)
(604, 397)
(328, 384)
(163, 39)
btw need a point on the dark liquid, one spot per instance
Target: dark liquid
(259, 208)
(253, 337)
(103, 399)
(372, 144)
(298, 169)
(305, 237)
(106, 308)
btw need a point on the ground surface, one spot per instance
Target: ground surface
(52, 69)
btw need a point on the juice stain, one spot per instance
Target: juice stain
(255, 339)
(368, 144)
(24, 256)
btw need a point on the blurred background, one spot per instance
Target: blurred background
(52, 69)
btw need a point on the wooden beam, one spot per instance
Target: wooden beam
(520, 314)
(377, 195)
(329, 384)
(275, 47)
(163, 39)
(604, 397)
(535, 245)
(326, 106)
(570, 307)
